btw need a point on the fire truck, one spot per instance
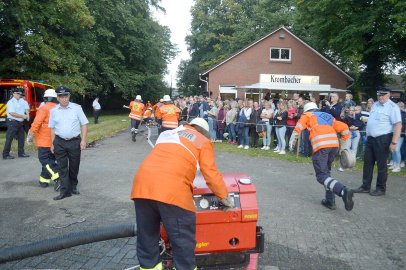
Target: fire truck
(34, 92)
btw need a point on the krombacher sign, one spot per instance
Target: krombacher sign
(285, 78)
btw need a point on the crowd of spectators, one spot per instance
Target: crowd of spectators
(244, 122)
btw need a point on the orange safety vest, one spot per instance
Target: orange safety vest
(39, 127)
(148, 112)
(137, 110)
(167, 173)
(157, 106)
(169, 114)
(323, 129)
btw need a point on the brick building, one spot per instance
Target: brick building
(279, 62)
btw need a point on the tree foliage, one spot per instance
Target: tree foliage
(93, 46)
(365, 38)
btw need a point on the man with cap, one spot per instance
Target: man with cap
(168, 114)
(163, 192)
(27, 112)
(323, 137)
(68, 126)
(16, 114)
(137, 111)
(383, 132)
(42, 133)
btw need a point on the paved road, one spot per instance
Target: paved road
(300, 234)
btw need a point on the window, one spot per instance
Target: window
(280, 54)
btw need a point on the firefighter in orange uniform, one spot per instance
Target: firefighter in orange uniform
(168, 114)
(323, 137)
(42, 133)
(137, 111)
(163, 191)
(147, 117)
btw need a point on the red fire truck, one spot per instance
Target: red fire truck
(34, 92)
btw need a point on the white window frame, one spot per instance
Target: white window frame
(279, 59)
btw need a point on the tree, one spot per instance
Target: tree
(364, 37)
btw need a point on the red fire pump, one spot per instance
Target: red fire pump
(224, 239)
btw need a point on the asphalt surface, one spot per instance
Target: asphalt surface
(300, 233)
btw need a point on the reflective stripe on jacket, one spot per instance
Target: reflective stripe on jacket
(137, 110)
(169, 114)
(167, 173)
(323, 129)
(39, 127)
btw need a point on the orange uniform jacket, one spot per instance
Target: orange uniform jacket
(323, 129)
(157, 106)
(169, 114)
(148, 113)
(137, 110)
(167, 173)
(39, 127)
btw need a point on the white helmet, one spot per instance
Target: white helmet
(201, 123)
(50, 93)
(166, 98)
(138, 97)
(161, 100)
(310, 106)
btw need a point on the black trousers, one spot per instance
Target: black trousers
(180, 226)
(14, 129)
(46, 157)
(67, 155)
(376, 151)
(96, 116)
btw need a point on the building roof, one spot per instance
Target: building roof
(293, 35)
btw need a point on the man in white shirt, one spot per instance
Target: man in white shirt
(97, 109)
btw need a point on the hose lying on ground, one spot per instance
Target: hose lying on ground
(67, 241)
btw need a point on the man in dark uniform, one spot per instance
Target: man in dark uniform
(15, 124)
(67, 122)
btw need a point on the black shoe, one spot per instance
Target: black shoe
(43, 185)
(134, 137)
(57, 185)
(75, 190)
(328, 204)
(62, 196)
(23, 155)
(377, 192)
(361, 189)
(8, 157)
(347, 199)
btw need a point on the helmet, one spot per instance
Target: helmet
(200, 122)
(347, 159)
(138, 97)
(310, 106)
(161, 100)
(166, 98)
(50, 93)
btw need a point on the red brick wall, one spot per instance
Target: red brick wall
(244, 69)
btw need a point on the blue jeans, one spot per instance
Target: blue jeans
(267, 138)
(245, 139)
(212, 128)
(280, 133)
(396, 156)
(355, 142)
(231, 132)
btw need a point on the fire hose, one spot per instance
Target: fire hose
(67, 241)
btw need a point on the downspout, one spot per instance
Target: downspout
(207, 83)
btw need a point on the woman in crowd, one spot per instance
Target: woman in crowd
(291, 122)
(266, 116)
(221, 125)
(254, 119)
(281, 118)
(212, 115)
(231, 119)
(243, 130)
(396, 156)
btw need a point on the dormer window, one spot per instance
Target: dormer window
(280, 54)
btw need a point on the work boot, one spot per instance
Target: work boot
(43, 185)
(347, 199)
(328, 204)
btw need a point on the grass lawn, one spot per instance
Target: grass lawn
(257, 152)
(108, 126)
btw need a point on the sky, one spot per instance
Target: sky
(178, 19)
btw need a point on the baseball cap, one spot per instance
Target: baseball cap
(62, 91)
